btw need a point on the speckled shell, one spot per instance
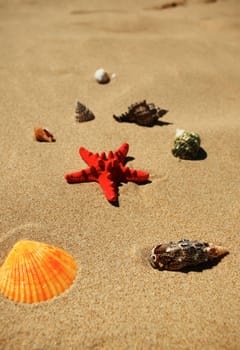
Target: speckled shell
(184, 253)
(142, 113)
(35, 272)
(43, 135)
(172, 4)
(186, 144)
(83, 114)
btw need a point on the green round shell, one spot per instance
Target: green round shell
(186, 144)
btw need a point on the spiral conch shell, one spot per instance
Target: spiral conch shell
(184, 253)
(83, 114)
(35, 272)
(142, 113)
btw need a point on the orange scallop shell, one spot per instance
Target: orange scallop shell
(35, 272)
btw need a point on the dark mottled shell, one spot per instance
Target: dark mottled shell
(142, 113)
(83, 114)
(172, 4)
(176, 256)
(186, 144)
(43, 135)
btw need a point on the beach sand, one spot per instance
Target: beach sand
(183, 59)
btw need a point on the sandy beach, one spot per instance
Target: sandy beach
(184, 59)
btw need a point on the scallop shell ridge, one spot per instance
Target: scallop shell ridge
(35, 272)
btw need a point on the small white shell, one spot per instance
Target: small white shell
(179, 132)
(101, 76)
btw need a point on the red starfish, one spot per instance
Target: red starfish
(107, 171)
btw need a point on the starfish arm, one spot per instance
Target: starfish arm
(122, 152)
(109, 188)
(89, 157)
(135, 175)
(85, 175)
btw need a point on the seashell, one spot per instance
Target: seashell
(102, 76)
(173, 4)
(176, 256)
(35, 272)
(142, 113)
(83, 114)
(43, 135)
(186, 144)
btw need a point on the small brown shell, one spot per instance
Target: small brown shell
(184, 253)
(83, 114)
(173, 4)
(43, 135)
(142, 113)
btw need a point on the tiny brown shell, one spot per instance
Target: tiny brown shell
(173, 4)
(43, 135)
(83, 114)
